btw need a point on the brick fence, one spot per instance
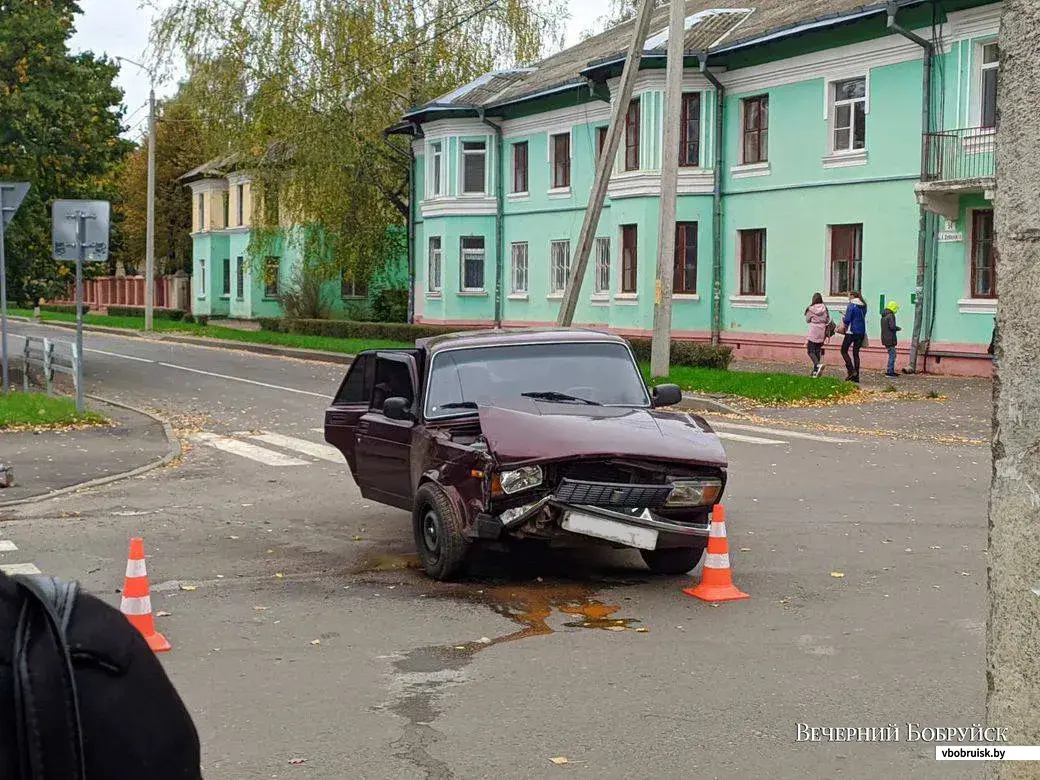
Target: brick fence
(171, 292)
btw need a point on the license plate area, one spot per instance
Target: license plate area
(610, 530)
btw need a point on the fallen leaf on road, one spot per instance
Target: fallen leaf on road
(297, 760)
(559, 760)
(614, 628)
(162, 613)
(965, 573)
(246, 504)
(642, 630)
(355, 538)
(908, 549)
(233, 537)
(886, 541)
(279, 575)
(935, 547)
(315, 641)
(745, 549)
(189, 587)
(937, 587)
(259, 609)
(484, 640)
(837, 574)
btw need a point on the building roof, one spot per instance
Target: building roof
(712, 27)
(498, 337)
(216, 168)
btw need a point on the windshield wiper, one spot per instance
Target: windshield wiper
(552, 395)
(459, 405)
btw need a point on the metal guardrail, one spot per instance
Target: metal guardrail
(52, 357)
(960, 155)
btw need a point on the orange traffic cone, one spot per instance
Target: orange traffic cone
(716, 578)
(137, 603)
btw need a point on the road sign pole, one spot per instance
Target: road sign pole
(3, 299)
(82, 218)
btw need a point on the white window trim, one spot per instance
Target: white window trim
(519, 194)
(619, 271)
(739, 300)
(488, 162)
(831, 102)
(686, 296)
(559, 192)
(829, 299)
(749, 170)
(699, 167)
(513, 291)
(749, 301)
(437, 291)
(201, 291)
(742, 166)
(596, 293)
(517, 297)
(847, 159)
(558, 294)
(975, 96)
(517, 197)
(828, 92)
(969, 304)
(463, 290)
(430, 156)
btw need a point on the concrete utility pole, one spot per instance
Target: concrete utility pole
(605, 164)
(1013, 635)
(149, 258)
(661, 343)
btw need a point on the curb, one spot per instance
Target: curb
(173, 451)
(300, 353)
(697, 403)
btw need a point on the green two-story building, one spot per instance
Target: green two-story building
(825, 146)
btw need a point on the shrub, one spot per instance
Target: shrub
(688, 353)
(138, 311)
(350, 329)
(390, 306)
(198, 319)
(272, 324)
(306, 296)
(61, 308)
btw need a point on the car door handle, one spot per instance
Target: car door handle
(362, 426)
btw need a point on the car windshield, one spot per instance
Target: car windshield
(579, 373)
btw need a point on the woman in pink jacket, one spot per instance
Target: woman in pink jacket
(818, 318)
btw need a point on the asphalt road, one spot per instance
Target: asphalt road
(309, 634)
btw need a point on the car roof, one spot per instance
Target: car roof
(494, 337)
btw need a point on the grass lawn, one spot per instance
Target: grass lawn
(765, 387)
(326, 343)
(19, 409)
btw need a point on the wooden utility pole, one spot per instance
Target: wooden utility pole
(661, 343)
(1013, 631)
(605, 164)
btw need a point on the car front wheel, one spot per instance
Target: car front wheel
(673, 560)
(439, 540)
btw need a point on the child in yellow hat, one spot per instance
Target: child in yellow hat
(888, 335)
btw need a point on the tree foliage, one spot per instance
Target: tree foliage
(618, 12)
(301, 92)
(59, 130)
(178, 148)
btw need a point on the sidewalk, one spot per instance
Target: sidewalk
(52, 461)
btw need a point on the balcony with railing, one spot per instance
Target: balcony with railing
(956, 162)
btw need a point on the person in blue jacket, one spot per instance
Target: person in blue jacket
(855, 322)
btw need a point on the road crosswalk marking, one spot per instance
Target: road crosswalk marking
(7, 546)
(312, 448)
(790, 434)
(748, 439)
(19, 568)
(247, 450)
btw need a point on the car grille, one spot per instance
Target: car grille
(572, 491)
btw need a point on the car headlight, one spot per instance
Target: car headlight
(520, 479)
(694, 492)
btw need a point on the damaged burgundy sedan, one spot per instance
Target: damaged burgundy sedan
(487, 436)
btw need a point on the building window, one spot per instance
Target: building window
(684, 279)
(850, 115)
(690, 130)
(474, 167)
(988, 85)
(559, 266)
(225, 208)
(756, 129)
(560, 152)
(226, 277)
(632, 136)
(472, 256)
(602, 281)
(983, 255)
(628, 259)
(271, 277)
(240, 197)
(753, 262)
(240, 278)
(519, 274)
(202, 279)
(846, 258)
(436, 185)
(433, 280)
(520, 167)
(350, 288)
(202, 211)
(601, 141)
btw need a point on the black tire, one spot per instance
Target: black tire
(438, 534)
(673, 560)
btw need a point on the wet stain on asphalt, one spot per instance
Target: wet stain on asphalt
(385, 561)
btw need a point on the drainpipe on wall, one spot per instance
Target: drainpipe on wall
(411, 225)
(716, 194)
(499, 228)
(919, 345)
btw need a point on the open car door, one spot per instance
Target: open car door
(351, 402)
(384, 432)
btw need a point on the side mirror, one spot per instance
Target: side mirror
(397, 408)
(667, 395)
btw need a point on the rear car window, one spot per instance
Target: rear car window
(355, 387)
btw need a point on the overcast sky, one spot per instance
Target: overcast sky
(120, 28)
